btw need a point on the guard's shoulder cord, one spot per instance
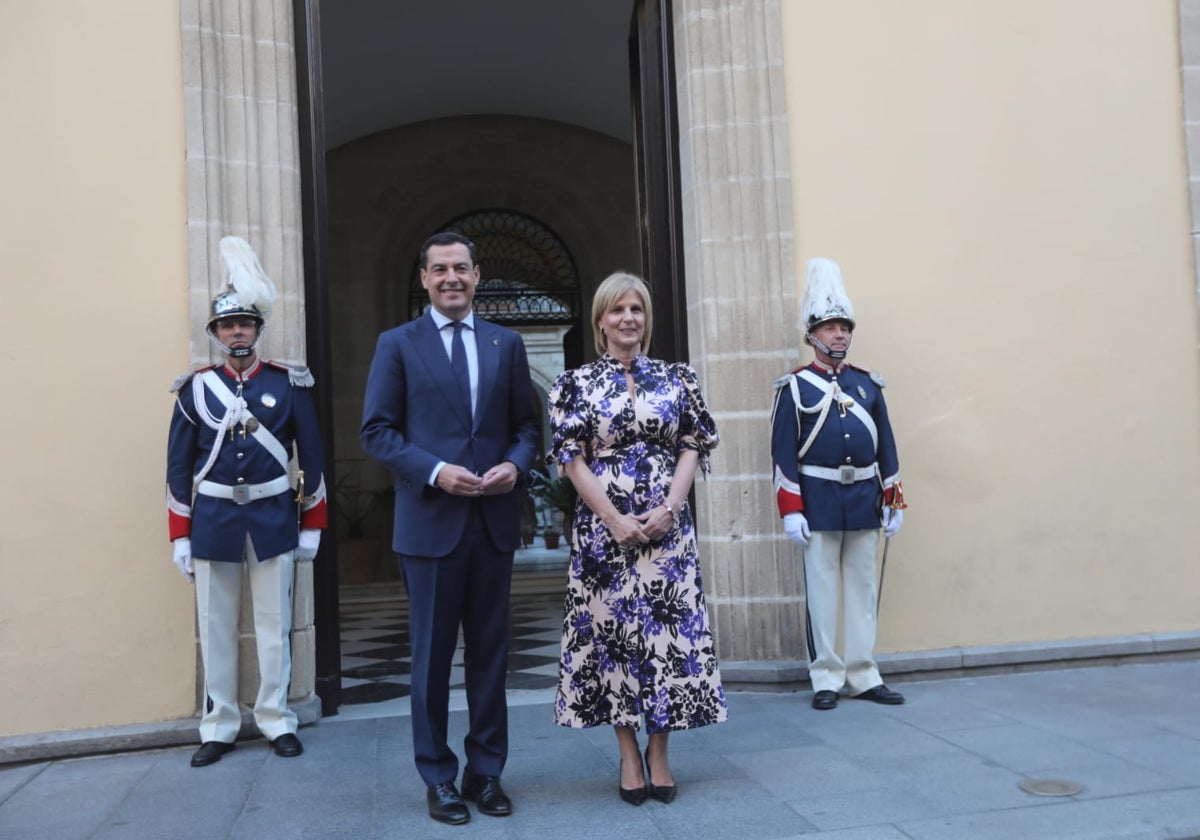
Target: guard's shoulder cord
(822, 406)
(233, 413)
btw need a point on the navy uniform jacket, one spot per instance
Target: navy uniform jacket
(856, 433)
(280, 399)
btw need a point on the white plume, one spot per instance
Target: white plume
(246, 275)
(824, 295)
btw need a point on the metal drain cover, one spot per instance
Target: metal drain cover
(1050, 787)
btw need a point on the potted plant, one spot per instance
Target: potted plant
(529, 519)
(557, 502)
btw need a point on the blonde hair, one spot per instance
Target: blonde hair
(609, 292)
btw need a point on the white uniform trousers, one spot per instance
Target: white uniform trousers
(839, 568)
(218, 601)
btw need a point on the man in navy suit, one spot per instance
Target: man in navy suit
(450, 410)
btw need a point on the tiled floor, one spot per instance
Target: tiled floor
(376, 656)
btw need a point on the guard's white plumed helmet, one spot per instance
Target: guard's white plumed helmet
(824, 297)
(249, 291)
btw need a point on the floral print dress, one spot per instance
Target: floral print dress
(636, 643)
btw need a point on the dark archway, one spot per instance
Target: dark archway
(655, 138)
(527, 275)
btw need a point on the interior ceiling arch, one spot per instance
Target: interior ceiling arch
(389, 63)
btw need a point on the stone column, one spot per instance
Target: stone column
(1189, 37)
(243, 178)
(741, 289)
(243, 158)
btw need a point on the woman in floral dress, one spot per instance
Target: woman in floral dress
(630, 433)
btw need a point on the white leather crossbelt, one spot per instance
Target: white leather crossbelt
(244, 493)
(842, 475)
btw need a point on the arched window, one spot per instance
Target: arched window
(528, 276)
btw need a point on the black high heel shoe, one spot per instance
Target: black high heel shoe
(663, 793)
(634, 797)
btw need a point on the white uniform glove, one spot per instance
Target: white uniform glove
(796, 527)
(183, 558)
(310, 541)
(893, 518)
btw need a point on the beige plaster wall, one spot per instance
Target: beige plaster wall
(96, 625)
(1004, 186)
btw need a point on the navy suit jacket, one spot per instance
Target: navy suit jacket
(413, 418)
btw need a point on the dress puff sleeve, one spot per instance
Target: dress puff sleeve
(570, 430)
(697, 429)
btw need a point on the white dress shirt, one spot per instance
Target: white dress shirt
(446, 331)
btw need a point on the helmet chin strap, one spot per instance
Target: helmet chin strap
(833, 354)
(239, 352)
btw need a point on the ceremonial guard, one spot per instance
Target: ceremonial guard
(230, 500)
(837, 483)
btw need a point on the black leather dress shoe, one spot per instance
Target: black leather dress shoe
(486, 793)
(287, 746)
(210, 752)
(825, 700)
(445, 805)
(881, 694)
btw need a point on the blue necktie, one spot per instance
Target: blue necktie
(458, 364)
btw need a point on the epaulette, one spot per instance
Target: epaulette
(185, 378)
(875, 377)
(783, 381)
(300, 377)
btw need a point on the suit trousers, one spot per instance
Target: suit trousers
(218, 604)
(469, 588)
(839, 568)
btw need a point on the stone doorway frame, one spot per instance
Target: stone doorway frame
(252, 126)
(252, 76)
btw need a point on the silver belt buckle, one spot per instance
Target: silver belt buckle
(241, 493)
(846, 475)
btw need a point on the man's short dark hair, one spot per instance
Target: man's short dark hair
(448, 237)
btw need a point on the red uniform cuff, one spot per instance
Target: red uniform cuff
(316, 516)
(178, 526)
(789, 502)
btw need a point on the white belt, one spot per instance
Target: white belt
(842, 475)
(244, 493)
